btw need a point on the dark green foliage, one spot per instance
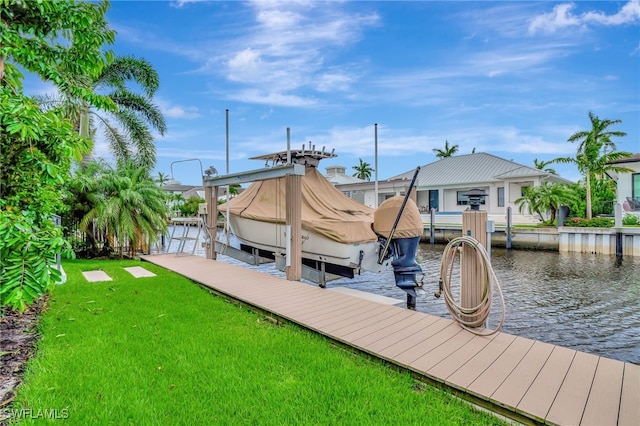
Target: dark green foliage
(62, 42)
(630, 220)
(190, 207)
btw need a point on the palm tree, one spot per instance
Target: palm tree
(542, 165)
(448, 151)
(363, 170)
(531, 201)
(162, 179)
(592, 158)
(546, 198)
(126, 129)
(131, 208)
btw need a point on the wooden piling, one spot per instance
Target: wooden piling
(294, 226)
(471, 269)
(211, 198)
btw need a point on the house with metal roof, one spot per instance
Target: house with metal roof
(628, 184)
(442, 185)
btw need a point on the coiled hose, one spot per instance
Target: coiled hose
(470, 318)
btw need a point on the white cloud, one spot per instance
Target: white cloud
(562, 16)
(628, 14)
(273, 98)
(181, 3)
(177, 111)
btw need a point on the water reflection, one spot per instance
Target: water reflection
(586, 302)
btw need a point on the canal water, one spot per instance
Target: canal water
(585, 302)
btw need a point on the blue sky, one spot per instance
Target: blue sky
(514, 79)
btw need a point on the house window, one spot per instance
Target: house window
(463, 200)
(635, 186)
(501, 196)
(523, 190)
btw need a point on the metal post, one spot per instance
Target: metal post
(375, 191)
(508, 244)
(618, 228)
(432, 226)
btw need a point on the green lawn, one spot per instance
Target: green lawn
(162, 350)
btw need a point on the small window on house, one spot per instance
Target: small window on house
(523, 190)
(635, 186)
(501, 196)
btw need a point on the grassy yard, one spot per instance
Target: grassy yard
(164, 351)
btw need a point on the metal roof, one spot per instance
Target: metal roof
(472, 169)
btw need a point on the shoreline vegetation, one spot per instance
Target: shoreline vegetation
(163, 350)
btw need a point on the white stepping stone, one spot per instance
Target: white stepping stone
(139, 272)
(96, 276)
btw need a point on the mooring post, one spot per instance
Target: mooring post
(473, 224)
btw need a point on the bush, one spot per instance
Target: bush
(596, 222)
(630, 219)
(190, 207)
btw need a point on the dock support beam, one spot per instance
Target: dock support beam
(211, 198)
(294, 224)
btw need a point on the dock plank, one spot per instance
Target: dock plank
(401, 334)
(467, 373)
(603, 404)
(429, 344)
(379, 318)
(398, 347)
(373, 334)
(491, 378)
(511, 391)
(538, 398)
(361, 329)
(569, 404)
(429, 358)
(629, 404)
(447, 366)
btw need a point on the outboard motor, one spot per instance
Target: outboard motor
(405, 267)
(399, 224)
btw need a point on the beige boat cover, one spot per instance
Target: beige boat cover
(410, 224)
(325, 210)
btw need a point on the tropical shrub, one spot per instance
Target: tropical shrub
(62, 43)
(190, 207)
(630, 220)
(596, 222)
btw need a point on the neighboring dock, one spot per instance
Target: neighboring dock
(527, 380)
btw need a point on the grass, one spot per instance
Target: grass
(162, 350)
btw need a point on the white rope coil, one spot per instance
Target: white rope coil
(471, 318)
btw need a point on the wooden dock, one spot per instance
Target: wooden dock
(527, 380)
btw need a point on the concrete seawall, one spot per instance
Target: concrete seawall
(564, 239)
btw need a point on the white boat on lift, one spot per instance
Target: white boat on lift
(337, 235)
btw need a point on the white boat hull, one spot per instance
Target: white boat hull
(272, 237)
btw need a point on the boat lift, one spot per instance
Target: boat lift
(291, 165)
